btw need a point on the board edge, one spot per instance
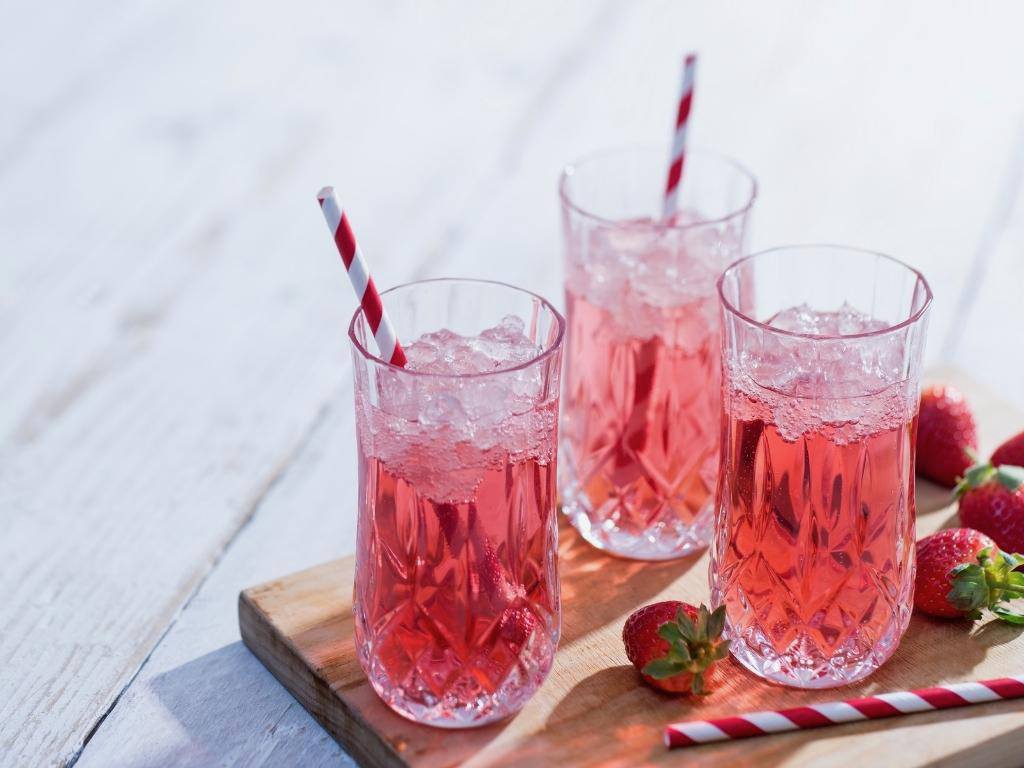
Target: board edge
(276, 653)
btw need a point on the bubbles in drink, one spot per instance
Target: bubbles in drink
(644, 271)
(813, 551)
(473, 422)
(833, 375)
(457, 612)
(641, 409)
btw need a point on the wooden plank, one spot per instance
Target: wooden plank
(201, 697)
(159, 232)
(805, 85)
(592, 709)
(841, 110)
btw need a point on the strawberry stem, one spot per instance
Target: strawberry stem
(1007, 475)
(988, 583)
(692, 647)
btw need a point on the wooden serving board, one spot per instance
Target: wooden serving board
(592, 710)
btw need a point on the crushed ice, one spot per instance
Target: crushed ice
(639, 272)
(853, 386)
(466, 423)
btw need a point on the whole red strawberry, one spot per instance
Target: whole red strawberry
(960, 571)
(992, 501)
(945, 432)
(1010, 452)
(674, 645)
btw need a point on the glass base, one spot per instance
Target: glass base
(661, 541)
(803, 665)
(664, 533)
(464, 703)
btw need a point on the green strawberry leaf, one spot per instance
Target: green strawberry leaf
(1008, 615)
(670, 631)
(970, 588)
(659, 669)
(957, 570)
(988, 583)
(974, 477)
(722, 650)
(693, 646)
(1010, 477)
(680, 653)
(686, 626)
(1013, 560)
(702, 621)
(716, 623)
(697, 684)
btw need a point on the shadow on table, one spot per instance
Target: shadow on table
(609, 716)
(1001, 750)
(234, 712)
(598, 588)
(932, 498)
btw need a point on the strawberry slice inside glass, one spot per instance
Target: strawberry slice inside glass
(640, 425)
(813, 553)
(456, 588)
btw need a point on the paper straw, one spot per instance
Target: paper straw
(678, 156)
(696, 732)
(366, 292)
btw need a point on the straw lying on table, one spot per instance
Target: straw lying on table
(380, 326)
(678, 156)
(697, 732)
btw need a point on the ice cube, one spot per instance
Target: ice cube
(467, 423)
(509, 330)
(442, 408)
(799, 319)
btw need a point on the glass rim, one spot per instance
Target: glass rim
(914, 318)
(547, 351)
(570, 168)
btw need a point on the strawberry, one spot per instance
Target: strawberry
(448, 520)
(517, 624)
(945, 432)
(1010, 452)
(992, 501)
(960, 571)
(674, 645)
(492, 574)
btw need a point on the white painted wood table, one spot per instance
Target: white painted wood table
(175, 415)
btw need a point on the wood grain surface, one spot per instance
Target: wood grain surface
(593, 711)
(175, 412)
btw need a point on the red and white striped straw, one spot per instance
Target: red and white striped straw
(381, 328)
(678, 156)
(883, 705)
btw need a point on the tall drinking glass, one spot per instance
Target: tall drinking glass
(813, 550)
(456, 585)
(640, 421)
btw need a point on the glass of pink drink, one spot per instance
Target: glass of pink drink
(813, 550)
(456, 587)
(640, 424)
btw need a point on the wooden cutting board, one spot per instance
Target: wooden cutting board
(592, 709)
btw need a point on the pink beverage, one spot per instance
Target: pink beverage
(813, 553)
(641, 416)
(457, 595)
